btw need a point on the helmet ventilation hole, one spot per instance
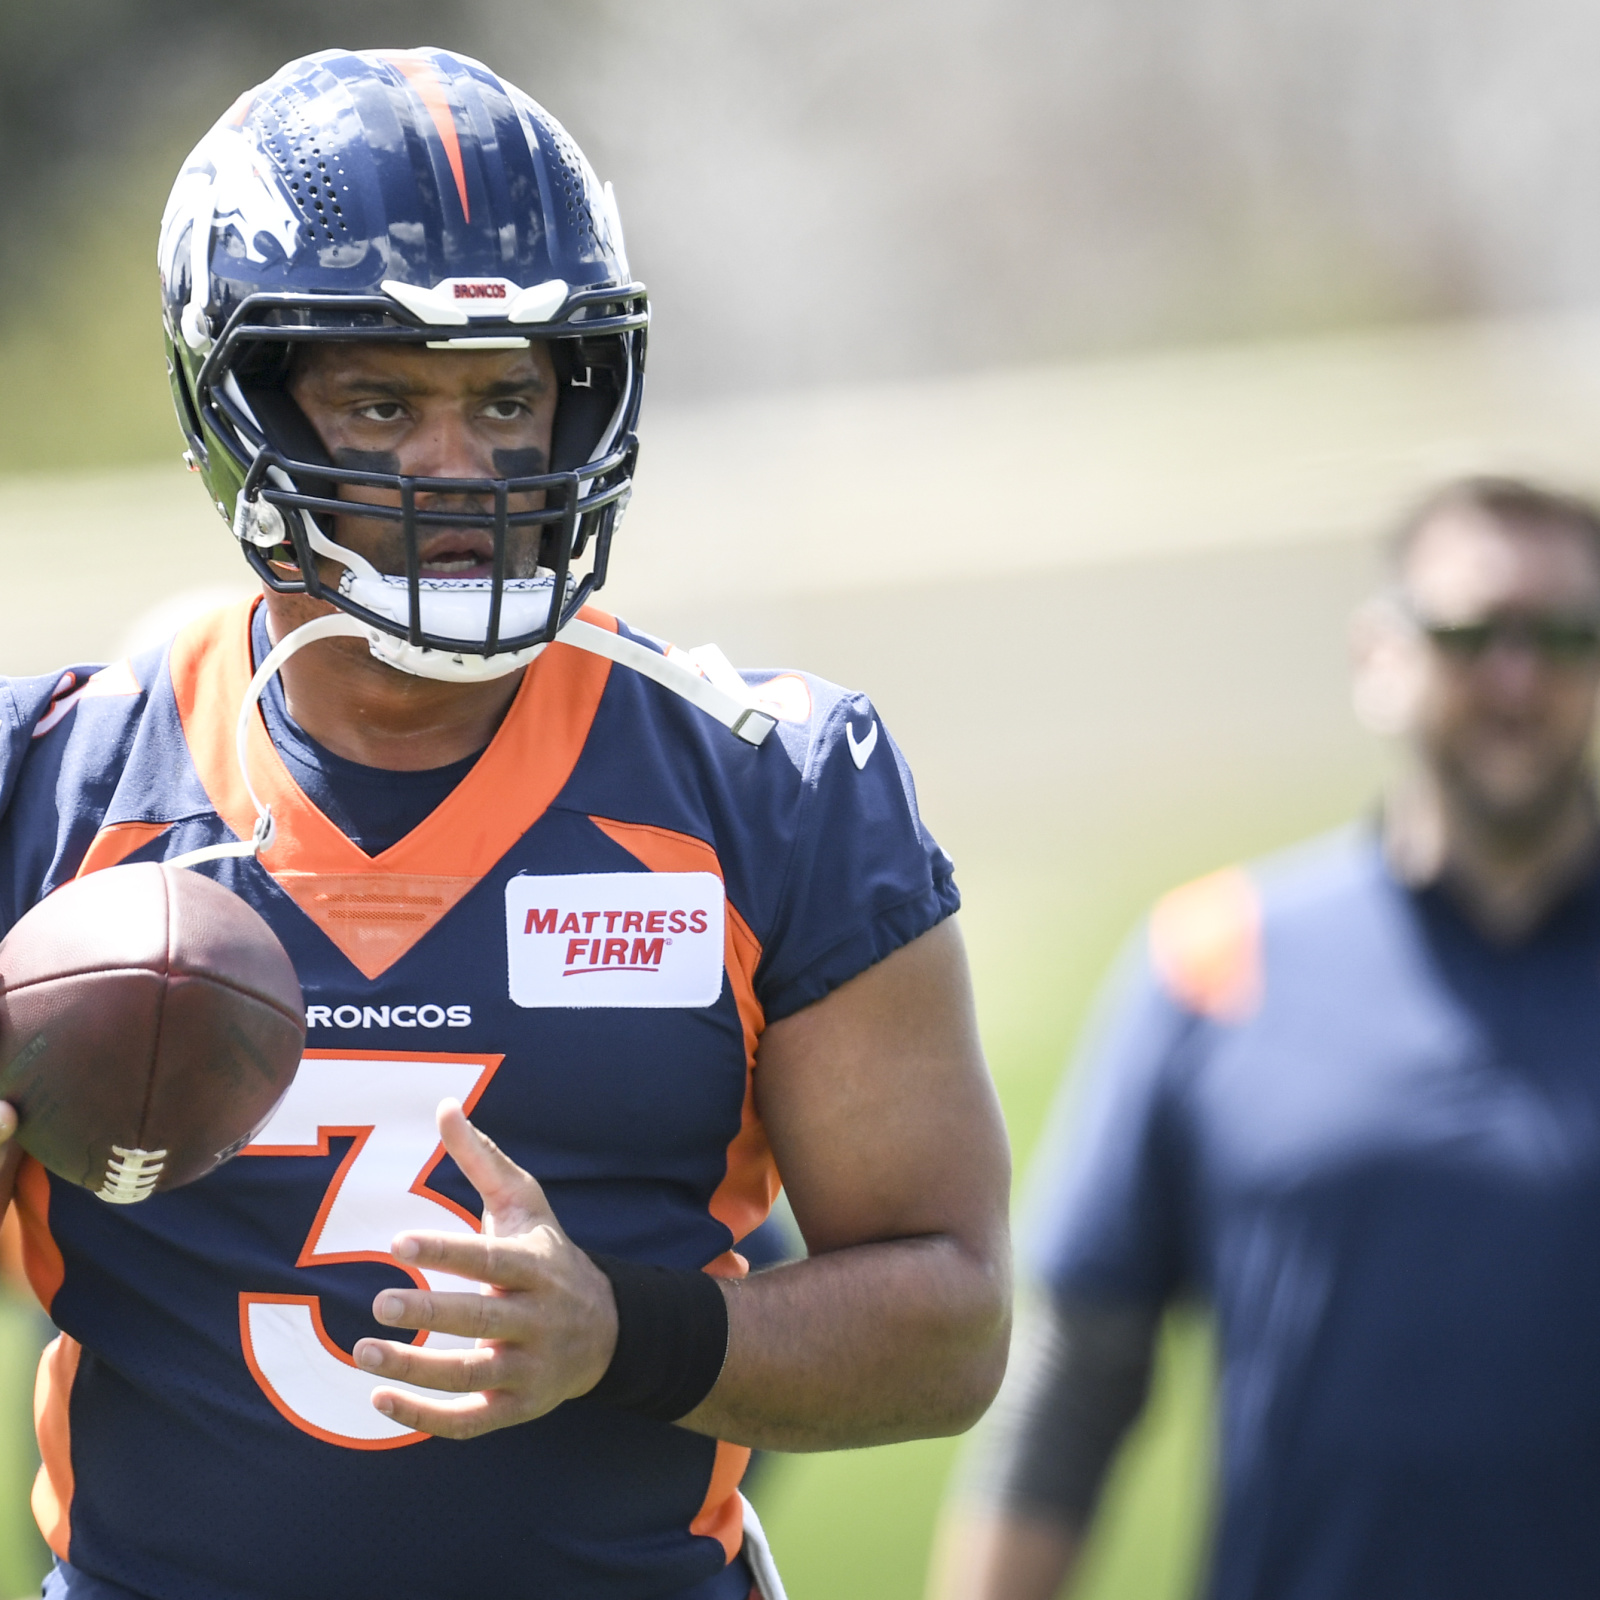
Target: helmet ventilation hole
(574, 192)
(311, 172)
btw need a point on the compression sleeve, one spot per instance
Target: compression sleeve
(1079, 1375)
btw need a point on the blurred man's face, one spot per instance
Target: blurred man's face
(1504, 664)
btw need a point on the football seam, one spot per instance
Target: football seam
(166, 977)
(148, 1098)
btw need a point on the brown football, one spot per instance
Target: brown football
(150, 1022)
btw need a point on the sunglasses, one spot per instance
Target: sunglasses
(1560, 641)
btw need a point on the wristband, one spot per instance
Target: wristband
(672, 1339)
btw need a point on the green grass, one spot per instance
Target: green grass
(23, 1557)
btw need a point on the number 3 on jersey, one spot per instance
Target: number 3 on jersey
(386, 1102)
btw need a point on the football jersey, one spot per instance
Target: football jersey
(583, 942)
(1370, 1138)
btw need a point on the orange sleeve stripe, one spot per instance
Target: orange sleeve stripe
(53, 1487)
(423, 77)
(1205, 944)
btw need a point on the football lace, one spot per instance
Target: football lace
(131, 1175)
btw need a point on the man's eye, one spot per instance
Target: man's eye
(383, 411)
(505, 410)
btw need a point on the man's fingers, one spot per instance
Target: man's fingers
(455, 1371)
(8, 1121)
(510, 1263)
(513, 1197)
(466, 1418)
(472, 1316)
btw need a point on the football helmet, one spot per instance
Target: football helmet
(409, 196)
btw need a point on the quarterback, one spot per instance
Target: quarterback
(600, 940)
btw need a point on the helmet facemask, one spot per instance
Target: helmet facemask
(287, 510)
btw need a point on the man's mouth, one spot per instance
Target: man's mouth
(458, 555)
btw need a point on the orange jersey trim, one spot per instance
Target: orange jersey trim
(743, 1199)
(41, 1255)
(721, 1515)
(750, 1185)
(53, 1487)
(375, 908)
(1205, 944)
(116, 843)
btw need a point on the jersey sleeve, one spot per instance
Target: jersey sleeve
(1105, 1207)
(25, 707)
(864, 876)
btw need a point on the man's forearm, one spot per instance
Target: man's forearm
(860, 1346)
(1034, 1470)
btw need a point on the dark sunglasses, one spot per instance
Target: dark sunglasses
(1558, 640)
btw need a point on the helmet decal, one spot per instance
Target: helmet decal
(227, 182)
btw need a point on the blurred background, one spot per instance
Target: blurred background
(1048, 370)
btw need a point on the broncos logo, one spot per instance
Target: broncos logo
(228, 183)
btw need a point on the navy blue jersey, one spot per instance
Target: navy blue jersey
(583, 942)
(1371, 1140)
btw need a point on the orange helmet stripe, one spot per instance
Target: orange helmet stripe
(421, 75)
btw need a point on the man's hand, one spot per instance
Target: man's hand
(546, 1327)
(10, 1154)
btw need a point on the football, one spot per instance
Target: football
(150, 1022)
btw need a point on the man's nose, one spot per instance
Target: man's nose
(1512, 668)
(448, 446)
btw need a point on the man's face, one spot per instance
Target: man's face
(437, 414)
(1503, 666)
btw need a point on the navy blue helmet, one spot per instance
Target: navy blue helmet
(408, 196)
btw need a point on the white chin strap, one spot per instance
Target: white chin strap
(702, 677)
(452, 608)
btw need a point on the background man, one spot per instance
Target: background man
(1352, 1100)
(407, 354)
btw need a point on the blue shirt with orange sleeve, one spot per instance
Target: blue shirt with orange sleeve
(1369, 1139)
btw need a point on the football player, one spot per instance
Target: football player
(597, 939)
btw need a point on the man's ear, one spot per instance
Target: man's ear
(1387, 667)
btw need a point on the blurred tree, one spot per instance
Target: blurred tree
(99, 102)
(77, 77)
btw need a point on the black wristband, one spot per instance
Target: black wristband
(672, 1339)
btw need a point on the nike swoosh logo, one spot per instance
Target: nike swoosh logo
(861, 750)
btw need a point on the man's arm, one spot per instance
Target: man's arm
(886, 1128)
(1015, 1523)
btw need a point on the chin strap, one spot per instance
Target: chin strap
(704, 678)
